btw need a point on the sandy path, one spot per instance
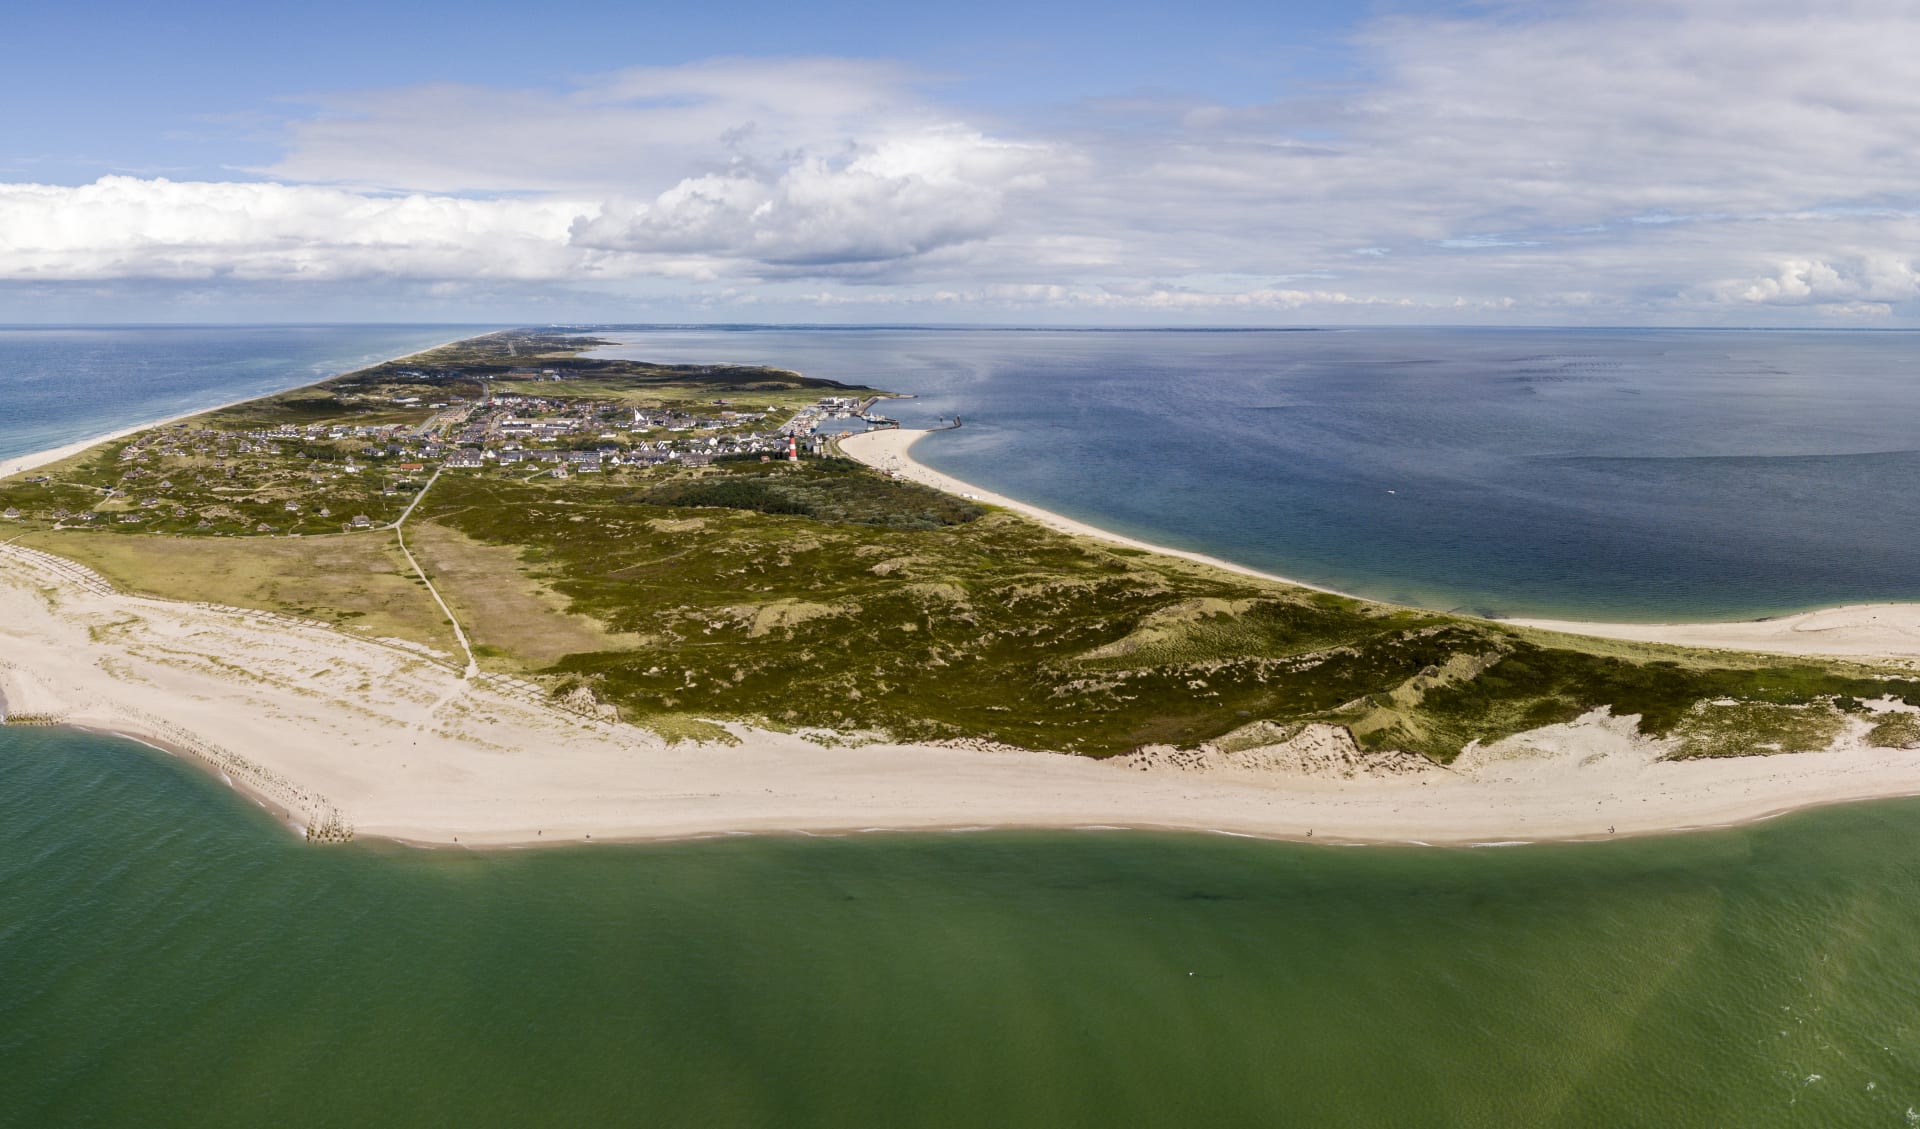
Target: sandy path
(1856, 631)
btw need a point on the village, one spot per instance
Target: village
(200, 478)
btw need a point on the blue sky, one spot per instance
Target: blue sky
(1707, 162)
(197, 89)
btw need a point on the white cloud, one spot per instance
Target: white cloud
(893, 200)
(635, 132)
(125, 227)
(1875, 280)
(1633, 160)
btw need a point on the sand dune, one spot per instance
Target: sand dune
(351, 735)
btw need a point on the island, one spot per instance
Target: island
(512, 591)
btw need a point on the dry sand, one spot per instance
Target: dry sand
(334, 730)
(337, 731)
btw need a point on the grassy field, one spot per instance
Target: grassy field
(515, 622)
(825, 595)
(358, 581)
(874, 617)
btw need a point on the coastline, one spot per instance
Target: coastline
(348, 736)
(353, 738)
(20, 464)
(889, 451)
(1855, 631)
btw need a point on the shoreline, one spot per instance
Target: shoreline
(281, 814)
(1856, 631)
(346, 737)
(21, 464)
(355, 739)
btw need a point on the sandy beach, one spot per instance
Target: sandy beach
(341, 732)
(351, 736)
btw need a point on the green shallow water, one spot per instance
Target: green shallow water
(170, 957)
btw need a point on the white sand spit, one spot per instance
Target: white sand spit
(327, 726)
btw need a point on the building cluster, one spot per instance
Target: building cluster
(566, 437)
(298, 475)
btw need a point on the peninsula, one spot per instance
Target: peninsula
(506, 591)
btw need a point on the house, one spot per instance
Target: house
(361, 521)
(466, 459)
(11, 514)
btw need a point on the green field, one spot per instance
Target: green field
(826, 596)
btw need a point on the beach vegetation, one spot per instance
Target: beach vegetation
(1734, 728)
(823, 597)
(1895, 731)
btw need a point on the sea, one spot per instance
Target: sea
(170, 956)
(1619, 474)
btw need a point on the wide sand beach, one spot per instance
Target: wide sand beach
(354, 735)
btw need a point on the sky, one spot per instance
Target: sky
(1214, 162)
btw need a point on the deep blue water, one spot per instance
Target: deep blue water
(1601, 474)
(62, 385)
(1636, 474)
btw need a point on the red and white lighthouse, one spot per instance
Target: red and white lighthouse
(793, 448)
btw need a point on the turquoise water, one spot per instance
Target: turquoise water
(1595, 474)
(170, 957)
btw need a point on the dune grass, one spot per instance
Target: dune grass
(825, 596)
(998, 628)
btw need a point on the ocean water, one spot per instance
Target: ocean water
(1596, 474)
(170, 957)
(60, 385)
(1601, 474)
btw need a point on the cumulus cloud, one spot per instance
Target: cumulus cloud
(1628, 160)
(125, 227)
(1873, 279)
(896, 199)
